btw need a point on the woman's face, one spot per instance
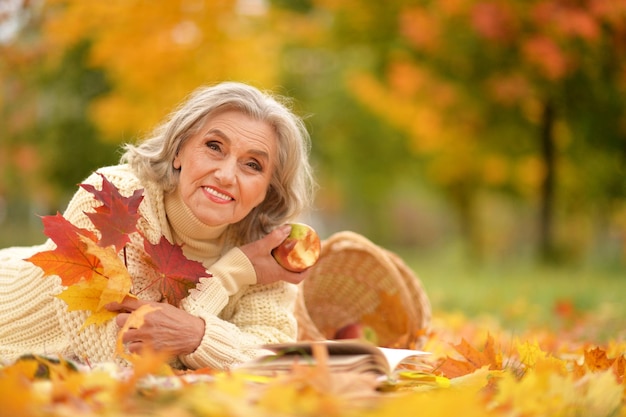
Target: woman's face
(226, 168)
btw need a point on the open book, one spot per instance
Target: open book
(343, 356)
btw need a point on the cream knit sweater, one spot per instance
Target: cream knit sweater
(239, 315)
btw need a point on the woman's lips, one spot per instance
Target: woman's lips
(219, 196)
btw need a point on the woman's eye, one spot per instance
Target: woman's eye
(213, 145)
(255, 166)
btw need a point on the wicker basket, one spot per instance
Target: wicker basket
(356, 281)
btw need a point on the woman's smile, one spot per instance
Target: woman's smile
(218, 196)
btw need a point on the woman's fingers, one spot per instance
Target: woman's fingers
(260, 255)
(128, 304)
(135, 346)
(121, 318)
(165, 328)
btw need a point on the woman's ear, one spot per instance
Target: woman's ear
(176, 162)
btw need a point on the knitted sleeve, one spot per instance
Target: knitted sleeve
(236, 326)
(28, 308)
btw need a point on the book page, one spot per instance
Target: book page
(343, 356)
(396, 356)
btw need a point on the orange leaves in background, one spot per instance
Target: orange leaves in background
(145, 45)
(495, 21)
(547, 56)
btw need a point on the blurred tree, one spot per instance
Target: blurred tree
(523, 98)
(156, 53)
(72, 145)
(553, 67)
(361, 159)
(48, 144)
(520, 97)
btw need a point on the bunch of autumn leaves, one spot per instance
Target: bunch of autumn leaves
(93, 268)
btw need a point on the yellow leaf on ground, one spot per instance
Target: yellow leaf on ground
(529, 353)
(16, 395)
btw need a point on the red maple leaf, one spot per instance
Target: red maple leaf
(177, 273)
(69, 260)
(117, 217)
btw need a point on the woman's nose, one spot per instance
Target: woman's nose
(226, 172)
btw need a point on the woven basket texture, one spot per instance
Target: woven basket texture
(357, 281)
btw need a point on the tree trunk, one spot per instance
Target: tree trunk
(547, 197)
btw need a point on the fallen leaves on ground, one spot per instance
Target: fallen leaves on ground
(485, 372)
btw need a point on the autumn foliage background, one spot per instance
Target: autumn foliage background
(484, 141)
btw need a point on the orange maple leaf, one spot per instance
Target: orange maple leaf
(596, 360)
(619, 368)
(474, 359)
(69, 260)
(89, 266)
(112, 284)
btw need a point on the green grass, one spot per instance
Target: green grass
(521, 296)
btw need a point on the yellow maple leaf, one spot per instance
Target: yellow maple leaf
(86, 295)
(601, 394)
(434, 403)
(111, 284)
(135, 320)
(151, 362)
(118, 279)
(529, 353)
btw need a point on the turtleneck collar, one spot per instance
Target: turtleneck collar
(200, 241)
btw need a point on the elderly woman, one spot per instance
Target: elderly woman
(221, 176)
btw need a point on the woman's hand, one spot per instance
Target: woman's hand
(166, 329)
(266, 267)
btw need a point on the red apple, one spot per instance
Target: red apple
(357, 331)
(300, 250)
(350, 331)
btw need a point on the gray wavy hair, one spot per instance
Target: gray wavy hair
(291, 186)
